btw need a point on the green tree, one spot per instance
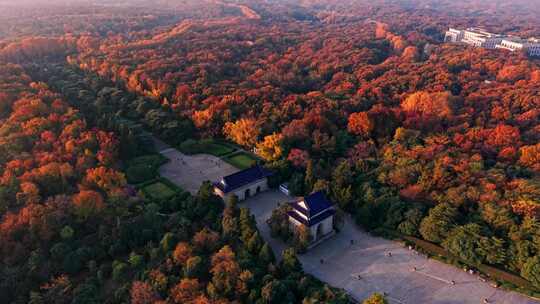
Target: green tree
(464, 242)
(266, 255)
(310, 177)
(301, 238)
(322, 185)
(494, 249)
(139, 173)
(72, 263)
(375, 298)
(128, 143)
(531, 270)
(67, 232)
(395, 213)
(365, 216)
(168, 242)
(136, 260)
(86, 293)
(520, 251)
(343, 196)
(35, 260)
(290, 262)
(119, 270)
(412, 221)
(339, 220)
(342, 175)
(59, 251)
(275, 292)
(296, 184)
(279, 222)
(195, 267)
(498, 217)
(437, 225)
(254, 244)
(229, 222)
(232, 205)
(36, 298)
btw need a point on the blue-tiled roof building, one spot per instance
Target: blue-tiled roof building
(315, 212)
(244, 183)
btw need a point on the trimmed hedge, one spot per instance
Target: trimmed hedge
(158, 191)
(140, 173)
(508, 280)
(155, 160)
(144, 168)
(206, 146)
(241, 160)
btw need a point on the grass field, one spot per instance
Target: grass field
(144, 168)
(206, 146)
(218, 149)
(241, 160)
(154, 160)
(158, 190)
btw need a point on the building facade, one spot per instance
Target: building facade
(243, 184)
(284, 188)
(531, 46)
(316, 213)
(453, 35)
(479, 38)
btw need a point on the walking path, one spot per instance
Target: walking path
(361, 268)
(365, 266)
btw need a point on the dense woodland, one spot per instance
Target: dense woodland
(72, 231)
(361, 100)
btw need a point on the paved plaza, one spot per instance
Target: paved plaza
(190, 171)
(365, 266)
(361, 268)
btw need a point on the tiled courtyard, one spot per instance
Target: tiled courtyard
(190, 171)
(360, 268)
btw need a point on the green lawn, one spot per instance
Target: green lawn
(217, 149)
(154, 160)
(144, 168)
(206, 146)
(241, 160)
(159, 191)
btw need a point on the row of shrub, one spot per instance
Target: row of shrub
(144, 168)
(503, 278)
(208, 146)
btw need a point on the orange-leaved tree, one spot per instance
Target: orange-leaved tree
(244, 132)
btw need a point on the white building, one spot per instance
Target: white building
(453, 35)
(285, 188)
(480, 38)
(316, 213)
(473, 36)
(243, 184)
(531, 46)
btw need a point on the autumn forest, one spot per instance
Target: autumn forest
(409, 136)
